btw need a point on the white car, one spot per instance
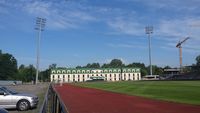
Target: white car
(10, 99)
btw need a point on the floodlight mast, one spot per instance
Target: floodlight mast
(40, 24)
(149, 31)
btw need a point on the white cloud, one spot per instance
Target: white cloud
(176, 5)
(126, 46)
(179, 27)
(169, 32)
(2, 1)
(72, 14)
(59, 14)
(127, 26)
(81, 15)
(173, 31)
(3, 9)
(39, 8)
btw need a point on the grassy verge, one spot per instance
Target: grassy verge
(175, 91)
(40, 95)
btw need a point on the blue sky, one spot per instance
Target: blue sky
(85, 31)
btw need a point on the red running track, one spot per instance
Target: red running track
(87, 100)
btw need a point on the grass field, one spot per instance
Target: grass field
(175, 91)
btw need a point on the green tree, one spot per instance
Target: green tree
(22, 66)
(93, 65)
(105, 66)
(116, 63)
(197, 66)
(45, 75)
(167, 67)
(156, 70)
(8, 66)
(27, 73)
(142, 67)
(78, 67)
(198, 60)
(52, 66)
(88, 65)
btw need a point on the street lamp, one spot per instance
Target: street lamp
(149, 31)
(40, 24)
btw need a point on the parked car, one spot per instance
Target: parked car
(10, 99)
(3, 110)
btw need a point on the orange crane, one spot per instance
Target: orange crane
(179, 45)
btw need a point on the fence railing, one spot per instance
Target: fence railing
(52, 102)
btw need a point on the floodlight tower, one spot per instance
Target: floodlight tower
(40, 24)
(149, 31)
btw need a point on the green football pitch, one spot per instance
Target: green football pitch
(175, 91)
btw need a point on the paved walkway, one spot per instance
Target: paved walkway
(86, 100)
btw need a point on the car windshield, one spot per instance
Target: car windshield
(9, 90)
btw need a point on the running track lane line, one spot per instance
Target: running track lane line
(87, 100)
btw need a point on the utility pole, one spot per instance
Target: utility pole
(149, 31)
(40, 24)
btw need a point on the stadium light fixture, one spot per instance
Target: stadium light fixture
(149, 31)
(40, 24)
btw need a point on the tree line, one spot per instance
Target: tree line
(117, 63)
(9, 69)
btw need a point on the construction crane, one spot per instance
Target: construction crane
(179, 45)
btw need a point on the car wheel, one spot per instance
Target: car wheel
(23, 105)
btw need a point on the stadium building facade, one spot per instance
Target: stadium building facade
(89, 74)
